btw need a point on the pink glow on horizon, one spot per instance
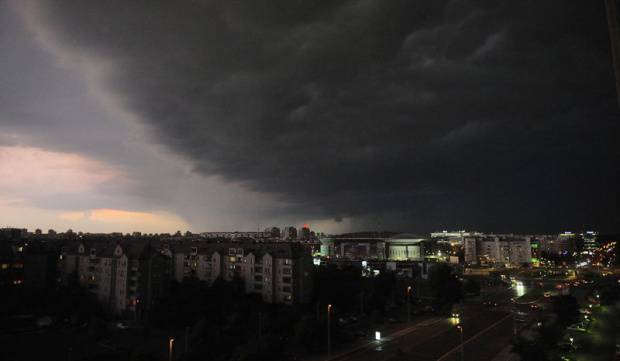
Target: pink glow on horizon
(29, 171)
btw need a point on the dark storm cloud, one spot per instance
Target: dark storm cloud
(408, 114)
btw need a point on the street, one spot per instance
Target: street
(485, 333)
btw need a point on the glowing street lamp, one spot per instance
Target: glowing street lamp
(460, 328)
(329, 331)
(170, 348)
(409, 304)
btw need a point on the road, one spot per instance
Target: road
(486, 333)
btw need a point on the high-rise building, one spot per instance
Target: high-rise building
(272, 232)
(289, 233)
(304, 233)
(590, 241)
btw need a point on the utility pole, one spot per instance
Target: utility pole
(614, 37)
(186, 339)
(260, 326)
(362, 303)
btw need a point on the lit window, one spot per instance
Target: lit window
(5, 266)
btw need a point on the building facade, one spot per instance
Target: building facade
(126, 276)
(494, 250)
(281, 272)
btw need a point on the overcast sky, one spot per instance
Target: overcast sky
(401, 115)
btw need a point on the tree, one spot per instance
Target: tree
(339, 287)
(567, 308)
(444, 285)
(531, 350)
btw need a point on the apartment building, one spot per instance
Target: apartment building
(126, 276)
(281, 272)
(498, 250)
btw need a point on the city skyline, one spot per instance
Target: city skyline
(357, 115)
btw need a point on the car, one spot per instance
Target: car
(535, 306)
(45, 321)
(429, 309)
(577, 327)
(547, 294)
(122, 325)
(490, 303)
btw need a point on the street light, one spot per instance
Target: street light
(329, 331)
(460, 328)
(408, 304)
(170, 345)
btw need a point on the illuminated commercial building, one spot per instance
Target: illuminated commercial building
(405, 247)
(498, 250)
(454, 237)
(374, 246)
